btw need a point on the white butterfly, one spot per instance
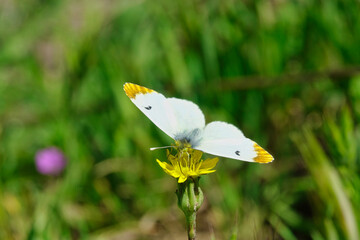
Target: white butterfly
(183, 121)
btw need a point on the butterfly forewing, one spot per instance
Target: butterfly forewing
(175, 117)
(226, 140)
(153, 105)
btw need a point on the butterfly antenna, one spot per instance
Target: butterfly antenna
(155, 148)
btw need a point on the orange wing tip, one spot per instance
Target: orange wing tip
(132, 90)
(262, 156)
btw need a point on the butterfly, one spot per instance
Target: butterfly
(183, 121)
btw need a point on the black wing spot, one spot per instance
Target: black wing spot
(237, 153)
(148, 107)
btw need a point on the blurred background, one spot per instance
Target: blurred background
(287, 73)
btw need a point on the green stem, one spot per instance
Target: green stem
(190, 198)
(191, 217)
(191, 226)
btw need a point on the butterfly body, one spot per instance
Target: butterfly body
(183, 121)
(192, 137)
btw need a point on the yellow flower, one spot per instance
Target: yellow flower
(187, 163)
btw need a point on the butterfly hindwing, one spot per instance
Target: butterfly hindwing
(188, 117)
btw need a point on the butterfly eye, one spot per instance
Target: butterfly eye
(237, 153)
(148, 107)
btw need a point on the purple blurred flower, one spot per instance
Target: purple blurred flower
(50, 161)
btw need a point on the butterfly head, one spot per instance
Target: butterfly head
(188, 139)
(182, 144)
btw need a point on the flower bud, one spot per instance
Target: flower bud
(190, 196)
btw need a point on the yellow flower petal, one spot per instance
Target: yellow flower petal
(182, 179)
(201, 172)
(209, 163)
(172, 159)
(168, 168)
(196, 155)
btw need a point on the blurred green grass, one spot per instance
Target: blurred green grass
(62, 67)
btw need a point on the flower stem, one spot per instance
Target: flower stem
(191, 226)
(191, 217)
(190, 198)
